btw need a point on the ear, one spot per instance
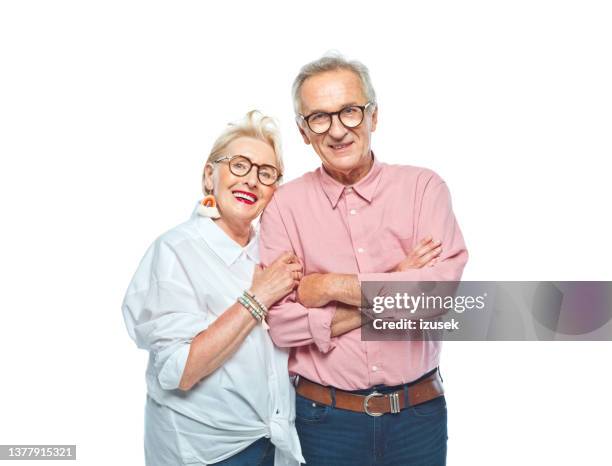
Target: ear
(374, 118)
(303, 133)
(207, 182)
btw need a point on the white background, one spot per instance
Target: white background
(108, 110)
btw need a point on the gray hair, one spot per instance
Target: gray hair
(254, 125)
(332, 61)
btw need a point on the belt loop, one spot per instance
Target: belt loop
(332, 391)
(406, 398)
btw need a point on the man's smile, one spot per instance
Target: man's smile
(341, 147)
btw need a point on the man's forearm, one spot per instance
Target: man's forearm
(346, 318)
(319, 289)
(344, 288)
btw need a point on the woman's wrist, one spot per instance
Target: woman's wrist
(261, 296)
(256, 301)
(254, 306)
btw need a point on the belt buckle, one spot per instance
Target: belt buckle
(365, 404)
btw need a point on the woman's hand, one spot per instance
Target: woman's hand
(276, 281)
(424, 254)
(212, 347)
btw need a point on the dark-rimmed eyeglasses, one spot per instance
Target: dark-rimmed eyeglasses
(350, 116)
(240, 165)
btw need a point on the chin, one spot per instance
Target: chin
(344, 163)
(245, 212)
(238, 212)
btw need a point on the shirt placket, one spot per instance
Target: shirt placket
(356, 220)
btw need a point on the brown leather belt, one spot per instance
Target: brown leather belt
(374, 404)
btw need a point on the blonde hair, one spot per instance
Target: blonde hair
(254, 125)
(332, 61)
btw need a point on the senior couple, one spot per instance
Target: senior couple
(228, 313)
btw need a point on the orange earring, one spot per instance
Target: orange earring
(208, 207)
(209, 201)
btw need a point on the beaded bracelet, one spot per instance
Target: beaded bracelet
(252, 304)
(257, 301)
(253, 307)
(253, 310)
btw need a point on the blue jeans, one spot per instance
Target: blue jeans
(258, 453)
(415, 436)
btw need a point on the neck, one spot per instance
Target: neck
(352, 176)
(240, 232)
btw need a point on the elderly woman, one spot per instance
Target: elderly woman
(218, 389)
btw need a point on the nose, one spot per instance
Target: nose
(337, 129)
(252, 177)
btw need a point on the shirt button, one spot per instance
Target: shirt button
(360, 250)
(374, 368)
(353, 211)
(349, 190)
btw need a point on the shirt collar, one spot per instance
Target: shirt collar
(226, 248)
(365, 187)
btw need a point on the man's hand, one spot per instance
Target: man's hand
(425, 254)
(312, 290)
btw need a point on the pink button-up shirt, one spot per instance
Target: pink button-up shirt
(365, 229)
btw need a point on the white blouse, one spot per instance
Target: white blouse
(187, 278)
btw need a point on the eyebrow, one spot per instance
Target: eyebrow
(251, 160)
(350, 104)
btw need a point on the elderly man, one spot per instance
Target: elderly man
(353, 220)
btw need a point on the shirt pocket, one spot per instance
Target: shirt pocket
(406, 244)
(388, 250)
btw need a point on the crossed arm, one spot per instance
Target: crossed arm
(325, 305)
(319, 289)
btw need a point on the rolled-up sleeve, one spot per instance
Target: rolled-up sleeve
(291, 324)
(163, 315)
